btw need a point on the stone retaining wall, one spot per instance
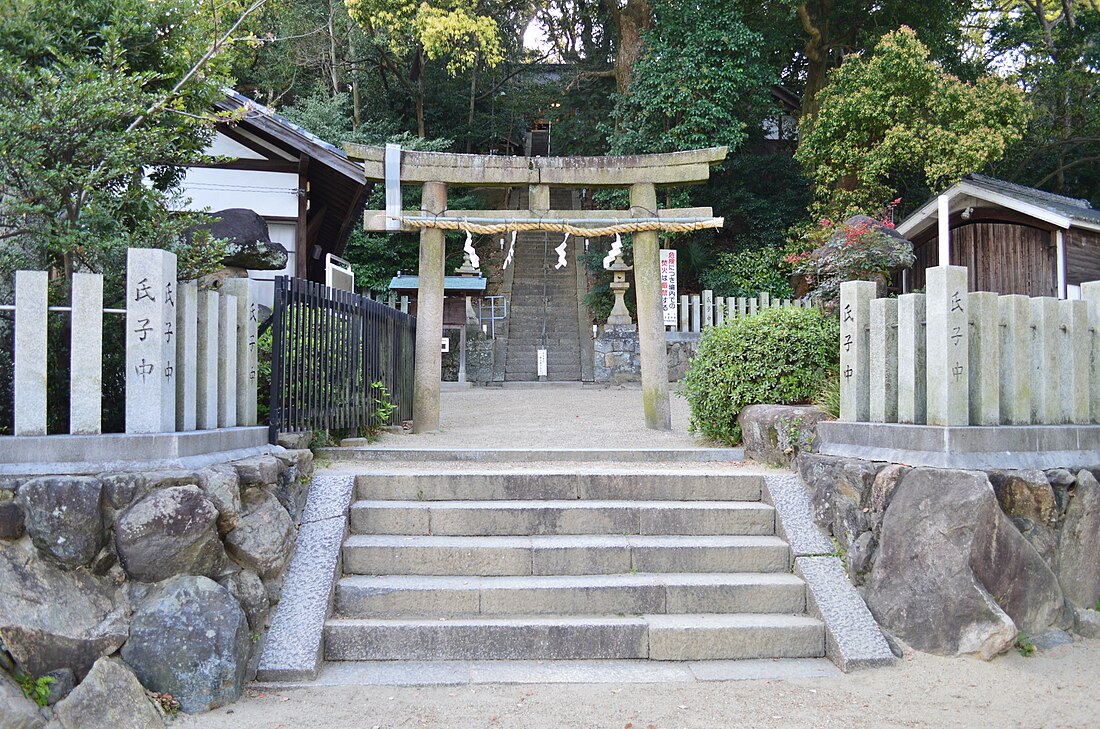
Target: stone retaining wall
(962, 562)
(120, 584)
(619, 359)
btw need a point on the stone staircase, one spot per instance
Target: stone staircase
(471, 562)
(542, 310)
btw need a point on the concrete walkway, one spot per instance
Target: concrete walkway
(547, 415)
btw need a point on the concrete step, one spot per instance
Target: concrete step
(568, 376)
(610, 671)
(526, 517)
(561, 555)
(358, 450)
(579, 483)
(450, 596)
(656, 637)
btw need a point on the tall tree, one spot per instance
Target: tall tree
(101, 103)
(407, 34)
(833, 29)
(895, 121)
(1057, 61)
(699, 82)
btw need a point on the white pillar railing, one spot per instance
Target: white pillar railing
(177, 368)
(960, 358)
(697, 312)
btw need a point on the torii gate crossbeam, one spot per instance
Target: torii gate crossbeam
(640, 173)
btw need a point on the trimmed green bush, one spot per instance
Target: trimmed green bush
(781, 356)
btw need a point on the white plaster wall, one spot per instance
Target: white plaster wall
(283, 233)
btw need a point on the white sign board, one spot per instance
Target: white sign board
(339, 274)
(668, 286)
(542, 362)
(445, 345)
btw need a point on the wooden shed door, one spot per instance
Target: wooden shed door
(1005, 258)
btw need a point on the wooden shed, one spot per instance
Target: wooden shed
(307, 190)
(1013, 239)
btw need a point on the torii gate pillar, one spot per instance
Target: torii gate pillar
(429, 314)
(651, 324)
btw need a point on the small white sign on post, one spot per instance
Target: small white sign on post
(668, 286)
(542, 363)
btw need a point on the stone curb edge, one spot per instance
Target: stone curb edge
(294, 647)
(853, 639)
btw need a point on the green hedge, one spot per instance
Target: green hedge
(779, 356)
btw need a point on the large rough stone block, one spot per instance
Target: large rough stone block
(51, 618)
(110, 697)
(258, 471)
(292, 490)
(222, 487)
(63, 517)
(264, 538)
(171, 531)
(819, 473)
(248, 589)
(775, 434)
(952, 569)
(11, 520)
(1026, 494)
(882, 492)
(190, 638)
(1079, 549)
(296, 441)
(121, 489)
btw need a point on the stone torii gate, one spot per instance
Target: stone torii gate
(641, 173)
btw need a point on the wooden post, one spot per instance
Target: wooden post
(651, 328)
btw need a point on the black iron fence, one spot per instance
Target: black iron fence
(339, 361)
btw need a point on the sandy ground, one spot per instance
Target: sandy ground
(1055, 688)
(547, 416)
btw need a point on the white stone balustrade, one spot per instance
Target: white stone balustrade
(953, 358)
(191, 356)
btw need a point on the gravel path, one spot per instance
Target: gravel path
(547, 416)
(1055, 688)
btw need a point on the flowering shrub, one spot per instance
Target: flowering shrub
(862, 248)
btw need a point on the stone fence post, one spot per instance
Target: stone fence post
(855, 319)
(948, 346)
(150, 341)
(1090, 294)
(912, 377)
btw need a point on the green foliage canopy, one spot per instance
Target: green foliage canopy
(92, 133)
(895, 118)
(699, 82)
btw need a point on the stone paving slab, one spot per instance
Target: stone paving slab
(354, 452)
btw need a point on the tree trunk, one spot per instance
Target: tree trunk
(421, 130)
(632, 20)
(333, 67)
(816, 51)
(470, 114)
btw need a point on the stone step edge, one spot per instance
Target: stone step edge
(574, 504)
(364, 596)
(460, 673)
(665, 637)
(527, 455)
